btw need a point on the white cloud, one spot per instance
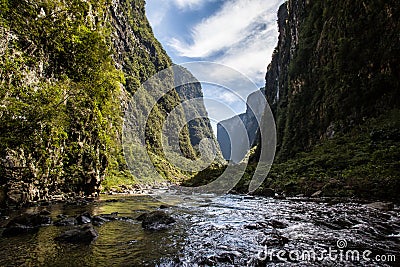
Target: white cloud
(229, 26)
(156, 11)
(190, 4)
(222, 78)
(242, 35)
(253, 56)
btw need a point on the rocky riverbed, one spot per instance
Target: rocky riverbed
(203, 230)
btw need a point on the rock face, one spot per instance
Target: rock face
(200, 126)
(325, 77)
(68, 70)
(66, 222)
(237, 134)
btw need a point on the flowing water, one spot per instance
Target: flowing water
(229, 230)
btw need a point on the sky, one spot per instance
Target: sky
(239, 34)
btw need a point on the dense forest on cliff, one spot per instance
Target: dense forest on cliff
(334, 85)
(67, 71)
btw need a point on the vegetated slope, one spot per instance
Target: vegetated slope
(336, 65)
(68, 69)
(334, 88)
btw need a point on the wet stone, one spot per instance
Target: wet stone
(99, 220)
(277, 224)
(25, 223)
(19, 229)
(84, 235)
(84, 218)
(274, 239)
(156, 220)
(66, 222)
(111, 200)
(32, 220)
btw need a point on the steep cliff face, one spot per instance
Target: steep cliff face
(60, 112)
(334, 88)
(68, 69)
(235, 135)
(336, 65)
(140, 56)
(200, 127)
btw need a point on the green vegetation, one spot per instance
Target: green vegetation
(335, 98)
(345, 69)
(363, 163)
(67, 72)
(60, 113)
(337, 116)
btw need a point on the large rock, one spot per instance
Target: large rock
(84, 218)
(84, 235)
(277, 224)
(100, 220)
(25, 223)
(19, 229)
(30, 219)
(156, 220)
(69, 221)
(267, 192)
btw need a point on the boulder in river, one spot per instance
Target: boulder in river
(30, 219)
(68, 221)
(19, 229)
(277, 224)
(83, 235)
(156, 220)
(268, 192)
(275, 238)
(253, 226)
(25, 223)
(100, 220)
(84, 218)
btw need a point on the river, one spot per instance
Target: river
(229, 230)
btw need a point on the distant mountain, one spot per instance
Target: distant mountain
(237, 134)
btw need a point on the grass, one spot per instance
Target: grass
(363, 163)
